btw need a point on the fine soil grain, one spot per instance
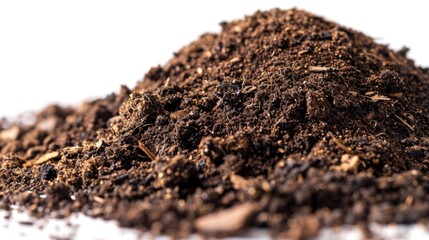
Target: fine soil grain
(283, 120)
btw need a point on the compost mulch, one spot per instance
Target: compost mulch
(283, 120)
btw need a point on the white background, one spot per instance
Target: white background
(68, 51)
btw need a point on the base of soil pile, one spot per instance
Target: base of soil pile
(282, 120)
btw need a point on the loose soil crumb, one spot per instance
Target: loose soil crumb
(282, 120)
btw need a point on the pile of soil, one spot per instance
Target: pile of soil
(282, 120)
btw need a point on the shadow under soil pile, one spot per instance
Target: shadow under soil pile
(282, 120)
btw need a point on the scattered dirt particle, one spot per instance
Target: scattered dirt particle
(47, 172)
(226, 221)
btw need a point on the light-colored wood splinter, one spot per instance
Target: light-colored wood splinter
(47, 157)
(147, 151)
(404, 122)
(319, 69)
(166, 82)
(377, 98)
(43, 159)
(99, 199)
(339, 144)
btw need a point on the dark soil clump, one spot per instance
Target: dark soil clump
(282, 120)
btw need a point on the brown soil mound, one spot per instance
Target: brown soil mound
(282, 120)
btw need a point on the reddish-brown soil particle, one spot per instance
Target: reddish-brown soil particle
(282, 120)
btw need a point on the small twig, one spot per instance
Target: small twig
(375, 56)
(339, 144)
(404, 122)
(147, 151)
